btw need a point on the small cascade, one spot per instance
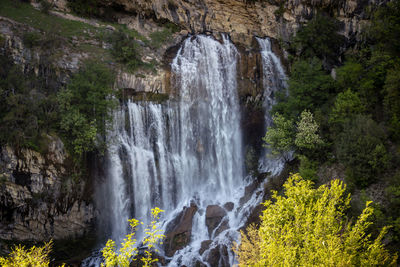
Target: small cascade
(274, 80)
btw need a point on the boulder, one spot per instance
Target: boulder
(204, 246)
(214, 216)
(229, 206)
(218, 256)
(179, 231)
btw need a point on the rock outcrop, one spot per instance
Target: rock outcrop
(244, 19)
(37, 200)
(214, 216)
(178, 231)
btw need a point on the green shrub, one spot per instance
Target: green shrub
(45, 6)
(280, 137)
(126, 49)
(347, 104)
(308, 168)
(32, 39)
(319, 38)
(307, 136)
(158, 38)
(391, 100)
(309, 88)
(385, 29)
(86, 8)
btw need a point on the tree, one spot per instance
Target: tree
(86, 107)
(385, 29)
(391, 101)
(319, 38)
(279, 138)
(346, 105)
(309, 88)
(307, 136)
(309, 227)
(128, 252)
(126, 49)
(360, 147)
(28, 111)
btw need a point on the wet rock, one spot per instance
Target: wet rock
(218, 256)
(214, 216)
(179, 230)
(199, 264)
(224, 225)
(249, 190)
(229, 206)
(204, 246)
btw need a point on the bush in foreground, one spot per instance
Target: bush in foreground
(309, 227)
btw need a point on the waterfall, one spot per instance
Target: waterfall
(187, 151)
(182, 151)
(274, 80)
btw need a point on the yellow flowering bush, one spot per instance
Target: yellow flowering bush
(35, 256)
(309, 227)
(128, 251)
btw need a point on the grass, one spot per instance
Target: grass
(96, 52)
(61, 28)
(25, 13)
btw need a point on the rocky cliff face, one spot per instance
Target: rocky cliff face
(244, 19)
(38, 201)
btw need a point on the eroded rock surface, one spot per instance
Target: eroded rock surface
(242, 19)
(37, 201)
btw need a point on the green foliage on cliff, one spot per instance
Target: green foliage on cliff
(346, 105)
(309, 88)
(86, 8)
(361, 148)
(126, 49)
(356, 109)
(309, 227)
(28, 109)
(385, 30)
(300, 135)
(86, 108)
(307, 137)
(319, 38)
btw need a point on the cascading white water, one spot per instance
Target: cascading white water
(190, 150)
(274, 80)
(210, 134)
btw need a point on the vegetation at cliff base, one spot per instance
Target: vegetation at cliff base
(309, 227)
(128, 251)
(34, 256)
